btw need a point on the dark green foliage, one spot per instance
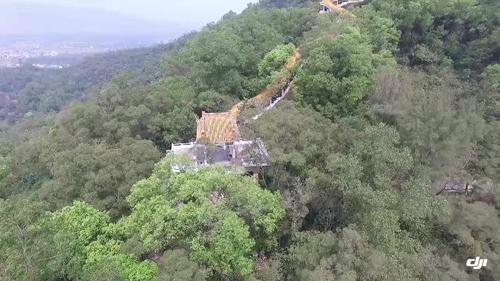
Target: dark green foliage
(50, 90)
(12, 80)
(329, 256)
(299, 142)
(224, 57)
(441, 130)
(178, 267)
(22, 251)
(443, 33)
(97, 149)
(275, 59)
(492, 76)
(336, 74)
(385, 106)
(212, 101)
(99, 174)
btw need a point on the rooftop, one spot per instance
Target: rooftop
(247, 154)
(217, 128)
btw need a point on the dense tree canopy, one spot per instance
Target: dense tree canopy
(337, 74)
(385, 107)
(222, 218)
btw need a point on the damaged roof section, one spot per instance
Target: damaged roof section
(247, 154)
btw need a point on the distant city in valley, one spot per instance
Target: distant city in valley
(62, 51)
(48, 36)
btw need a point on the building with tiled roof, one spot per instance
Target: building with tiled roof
(218, 137)
(245, 155)
(217, 128)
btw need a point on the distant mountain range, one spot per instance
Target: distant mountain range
(45, 20)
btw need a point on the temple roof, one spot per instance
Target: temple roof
(217, 128)
(332, 5)
(222, 128)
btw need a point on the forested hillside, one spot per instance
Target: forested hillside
(49, 90)
(388, 103)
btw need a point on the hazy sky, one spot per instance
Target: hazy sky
(190, 12)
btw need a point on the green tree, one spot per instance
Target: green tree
(25, 253)
(275, 59)
(109, 253)
(100, 174)
(491, 88)
(4, 168)
(211, 101)
(82, 220)
(221, 60)
(438, 34)
(337, 74)
(88, 230)
(179, 267)
(299, 141)
(224, 57)
(492, 76)
(384, 36)
(441, 131)
(345, 255)
(227, 247)
(221, 218)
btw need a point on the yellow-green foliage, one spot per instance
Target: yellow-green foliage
(221, 217)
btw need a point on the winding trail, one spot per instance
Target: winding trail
(222, 127)
(284, 94)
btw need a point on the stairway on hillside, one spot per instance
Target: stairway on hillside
(218, 131)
